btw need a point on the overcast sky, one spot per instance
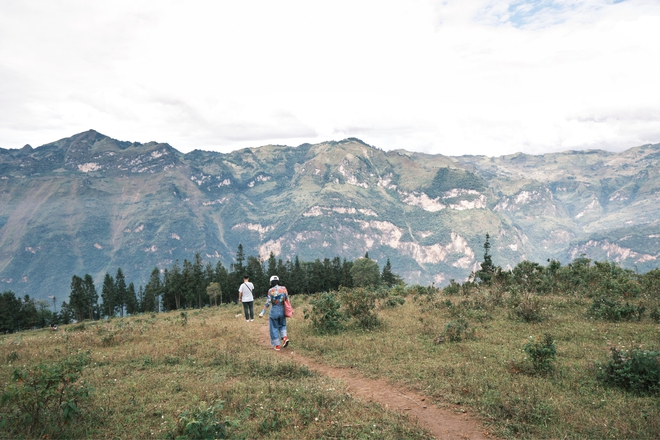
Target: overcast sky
(451, 77)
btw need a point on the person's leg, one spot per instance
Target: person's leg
(245, 311)
(282, 327)
(251, 309)
(274, 331)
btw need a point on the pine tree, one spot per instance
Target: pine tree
(131, 300)
(108, 300)
(120, 292)
(151, 292)
(77, 298)
(485, 274)
(388, 278)
(91, 297)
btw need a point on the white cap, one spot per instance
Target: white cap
(274, 278)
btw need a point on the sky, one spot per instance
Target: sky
(447, 77)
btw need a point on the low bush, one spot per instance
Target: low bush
(457, 331)
(636, 370)
(44, 398)
(394, 301)
(326, 316)
(360, 304)
(526, 308)
(541, 354)
(614, 311)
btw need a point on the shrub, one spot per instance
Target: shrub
(457, 331)
(612, 310)
(452, 289)
(326, 316)
(541, 354)
(47, 396)
(637, 370)
(528, 308)
(655, 314)
(360, 304)
(394, 301)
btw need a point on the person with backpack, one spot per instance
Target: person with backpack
(277, 321)
(245, 296)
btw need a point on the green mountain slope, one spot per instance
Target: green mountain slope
(90, 204)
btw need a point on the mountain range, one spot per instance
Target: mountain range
(90, 204)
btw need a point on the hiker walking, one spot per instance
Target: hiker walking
(277, 321)
(245, 296)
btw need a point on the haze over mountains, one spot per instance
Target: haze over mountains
(91, 204)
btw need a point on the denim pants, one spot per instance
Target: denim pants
(277, 324)
(248, 308)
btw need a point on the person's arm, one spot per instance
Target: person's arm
(240, 294)
(266, 305)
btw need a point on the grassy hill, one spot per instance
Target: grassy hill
(526, 364)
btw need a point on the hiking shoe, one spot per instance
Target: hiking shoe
(285, 341)
(277, 348)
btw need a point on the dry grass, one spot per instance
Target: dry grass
(146, 371)
(490, 374)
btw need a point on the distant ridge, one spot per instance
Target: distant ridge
(90, 204)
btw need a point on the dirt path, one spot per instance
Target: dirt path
(442, 423)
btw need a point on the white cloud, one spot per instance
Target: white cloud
(450, 77)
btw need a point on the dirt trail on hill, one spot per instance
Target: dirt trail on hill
(442, 423)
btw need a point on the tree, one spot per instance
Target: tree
(198, 282)
(388, 277)
(91, 297)
(10, 307)
(120, 292)
(272, 265)
(78, 298)
(108, 300)
(151, 292)
(66, 314)
(131, 300)
(485, 274)
(365, 273)
(346, 279)
(213, 291)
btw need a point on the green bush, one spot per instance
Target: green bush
(541, 354)
(452, 289)
(457, 331)
(360, 304)
(394, 301)
(326, 316)
(637, 370)
(45, 397)
(614, 311)
(655, 314)
(526, 308)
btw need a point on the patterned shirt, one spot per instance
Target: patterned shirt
(276, 296)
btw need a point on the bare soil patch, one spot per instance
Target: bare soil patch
(442, 423)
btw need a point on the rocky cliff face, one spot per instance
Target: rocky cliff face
(90, 204)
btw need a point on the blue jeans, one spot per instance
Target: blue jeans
(277, 324)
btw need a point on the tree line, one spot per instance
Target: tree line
(193, 284)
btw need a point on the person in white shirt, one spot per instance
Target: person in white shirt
(245, 296)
